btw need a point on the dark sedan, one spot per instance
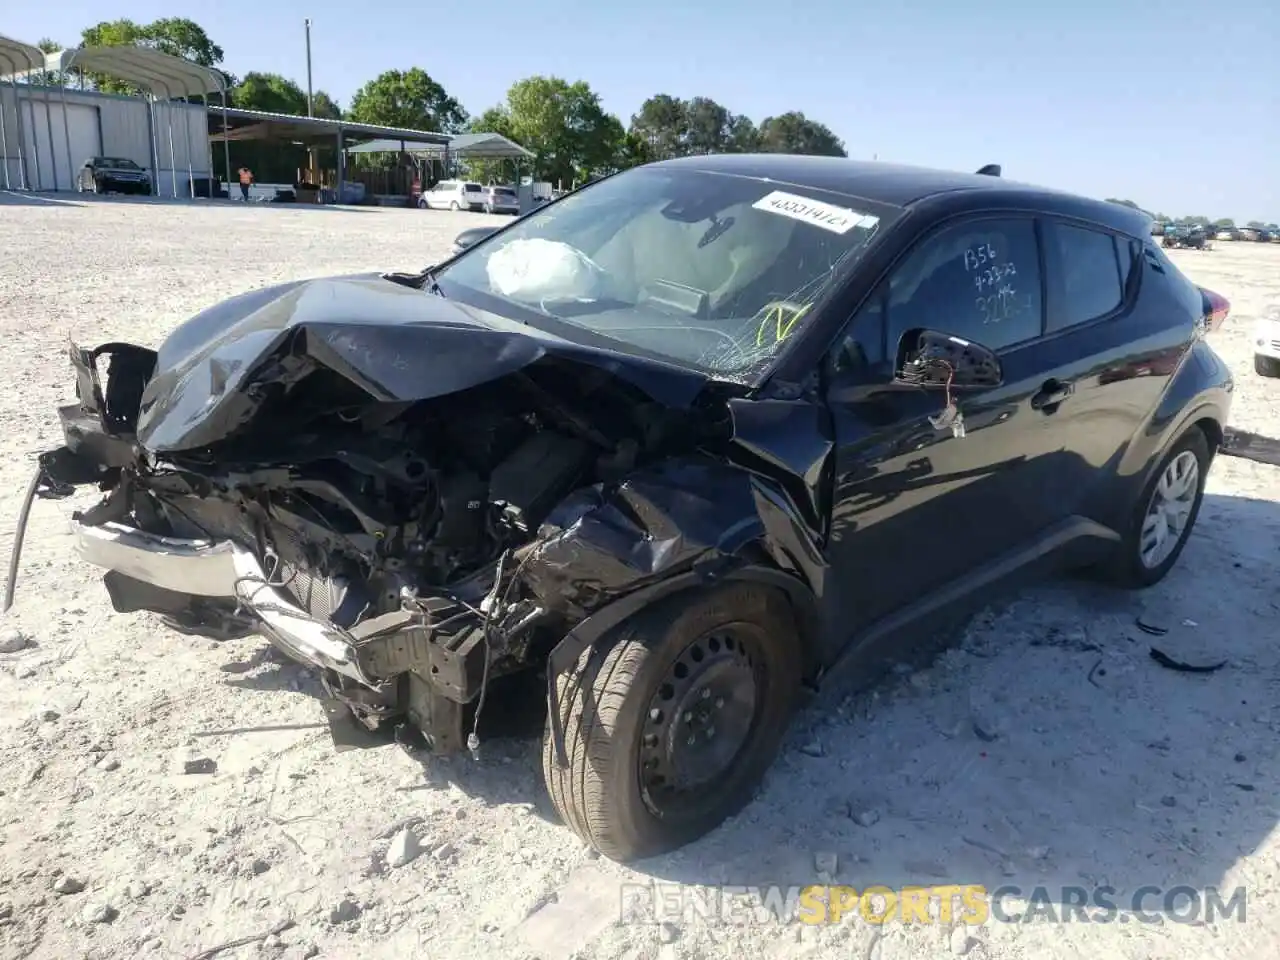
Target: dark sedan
(113, 175)
(680, 445)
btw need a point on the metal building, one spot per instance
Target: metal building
(47, 132)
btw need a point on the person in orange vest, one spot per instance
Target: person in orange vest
(246, 178)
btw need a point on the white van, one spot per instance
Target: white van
(453, 195)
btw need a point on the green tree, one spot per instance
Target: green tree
(176, 36)
(743, 136)
(1224, 223)
(276, 94)
(564, 125)
(671, 127)
(795, 133)
(408, 99)
(662, 125)
(1256, 225)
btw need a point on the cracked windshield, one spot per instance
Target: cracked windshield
(711, 271)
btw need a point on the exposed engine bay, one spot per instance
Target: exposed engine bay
(416, 497)
(401, 525)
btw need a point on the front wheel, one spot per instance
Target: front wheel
(422, 204)
(672, 721)
(1164, 516)
(453, 205)
(1266, 366)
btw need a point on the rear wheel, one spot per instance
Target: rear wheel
(671, 723)
(1164, 516)
(1266, 366)
(453, 205)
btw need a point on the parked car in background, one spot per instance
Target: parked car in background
(691, 440)
(499, 199)
(1266, 343)
(1187, 237)
(1227, 233)
(453, 195)
(113, 175)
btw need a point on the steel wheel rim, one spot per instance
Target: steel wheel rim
(1164, 523)
(700, 718)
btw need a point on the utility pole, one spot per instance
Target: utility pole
(310, 105)
(311, 153)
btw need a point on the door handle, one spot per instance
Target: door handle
(1051, 393)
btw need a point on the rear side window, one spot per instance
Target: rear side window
(473, 188)
(1088, 264)
(1171, 278)
(1127, 252)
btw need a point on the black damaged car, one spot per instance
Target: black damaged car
(683, 445)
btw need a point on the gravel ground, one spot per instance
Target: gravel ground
(1042, 747)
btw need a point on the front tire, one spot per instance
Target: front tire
(453, 205)
(422, 204)
(1164, 516)
(671, 722)
(1266, 366)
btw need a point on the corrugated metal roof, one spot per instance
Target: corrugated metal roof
(158, 73)
(473, 145)
(418, 137)
(17, 57)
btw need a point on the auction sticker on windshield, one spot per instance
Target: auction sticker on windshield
(825, 215)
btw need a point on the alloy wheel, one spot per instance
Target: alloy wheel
(1165, 522)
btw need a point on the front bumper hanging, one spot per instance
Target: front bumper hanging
(221, 569)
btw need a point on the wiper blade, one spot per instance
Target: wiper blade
(426, 280)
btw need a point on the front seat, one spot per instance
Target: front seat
(653, 247)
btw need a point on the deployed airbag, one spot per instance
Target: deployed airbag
(536, 269)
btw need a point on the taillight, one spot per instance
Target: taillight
(1216, 308)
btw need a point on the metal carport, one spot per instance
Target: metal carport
(465, 146)
(16, 58)
(462, 146)
(262, 125)
(160, 75)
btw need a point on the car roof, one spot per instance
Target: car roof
(902, 185)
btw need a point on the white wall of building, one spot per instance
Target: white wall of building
(62, 129)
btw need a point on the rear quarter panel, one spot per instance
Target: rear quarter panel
(1198, 389)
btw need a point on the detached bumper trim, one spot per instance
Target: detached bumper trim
(220, 568)
(203, 568)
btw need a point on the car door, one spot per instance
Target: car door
(1117, 354)
(916, 507)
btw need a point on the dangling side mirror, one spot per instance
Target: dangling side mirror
(932, 359)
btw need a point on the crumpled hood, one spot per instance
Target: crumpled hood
(396, 342)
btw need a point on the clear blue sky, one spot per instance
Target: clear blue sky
(1174, 104)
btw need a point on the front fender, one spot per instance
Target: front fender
(606, 554)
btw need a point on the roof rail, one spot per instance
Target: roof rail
(990, 170)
